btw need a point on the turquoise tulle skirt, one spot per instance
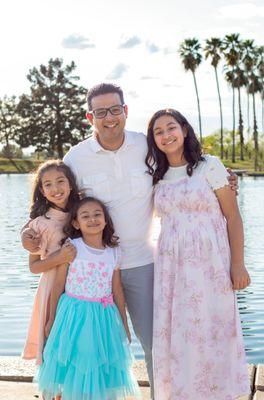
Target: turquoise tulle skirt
(87, 356)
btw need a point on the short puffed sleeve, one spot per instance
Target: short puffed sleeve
(118, 256)
(215, 172)
(39, 226)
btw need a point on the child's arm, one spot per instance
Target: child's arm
(64, 255)
(57, 290)
(30, 239)
(229, 206)
(119, 299)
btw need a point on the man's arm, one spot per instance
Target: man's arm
(233, 180)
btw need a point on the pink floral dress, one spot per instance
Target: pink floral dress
(198, 345)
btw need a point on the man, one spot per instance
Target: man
(111, 166)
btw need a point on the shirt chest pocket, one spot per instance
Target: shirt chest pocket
(97, 186)
(141, 183)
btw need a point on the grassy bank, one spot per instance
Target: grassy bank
(17, 166)
(22, 166)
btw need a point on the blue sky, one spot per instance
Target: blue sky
(131, 43)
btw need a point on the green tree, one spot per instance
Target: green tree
(213, 48)
(238, 79)
(248, 54)
(8, 123)
(232, 52)
(253, 88)
(260, 67)
(52, 115)
(12, 151)
(190, 52)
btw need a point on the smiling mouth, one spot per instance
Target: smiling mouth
(170, 142)
(109, 126)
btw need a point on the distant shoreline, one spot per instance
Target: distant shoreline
(27, 166)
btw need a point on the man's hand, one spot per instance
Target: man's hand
(240, 277)
(233, 180)
(30, 240)
(67, 253)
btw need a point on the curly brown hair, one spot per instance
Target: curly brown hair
(109, 237)
(39, 204)
(157, 161)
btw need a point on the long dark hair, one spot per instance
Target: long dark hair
(157, 161)
(109, 237)
(39, 204)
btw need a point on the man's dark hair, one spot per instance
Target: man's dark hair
(103, 88)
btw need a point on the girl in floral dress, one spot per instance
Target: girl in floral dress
(197, 344)
(87, 356)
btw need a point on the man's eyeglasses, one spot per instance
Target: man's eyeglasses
(102, 112)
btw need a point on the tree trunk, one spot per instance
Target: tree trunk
(199, 111)
(248, 117)
(262, 104)
(255, 133)
(240, 127)
(234, 128)
(8, 151)
(221, 116)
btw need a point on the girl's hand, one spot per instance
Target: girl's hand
(67, 253)
(48, 327)
(240, 277)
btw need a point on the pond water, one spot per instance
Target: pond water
(18, 285)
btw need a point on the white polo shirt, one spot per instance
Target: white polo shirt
(119, 179)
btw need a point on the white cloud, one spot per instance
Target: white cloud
(241, 11)
(118, 71)
(130, 42)
(152, 47)
(77, 42)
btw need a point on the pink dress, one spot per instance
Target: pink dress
(197, 345)
(51, 231)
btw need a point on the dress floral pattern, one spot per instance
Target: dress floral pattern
(198, 343)
(90, 273)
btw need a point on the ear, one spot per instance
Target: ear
(89, 117)
(75, 224)
(126, 110)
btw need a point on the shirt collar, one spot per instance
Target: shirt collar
(96, 147)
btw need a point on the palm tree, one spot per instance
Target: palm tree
(213, 48)
(248, 61)
(240, 82)
(253, 88)
(260, 66)
(191, 58)
(232, 51)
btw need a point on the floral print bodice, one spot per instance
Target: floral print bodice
(90, 274)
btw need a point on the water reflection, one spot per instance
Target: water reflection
(18, 285)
